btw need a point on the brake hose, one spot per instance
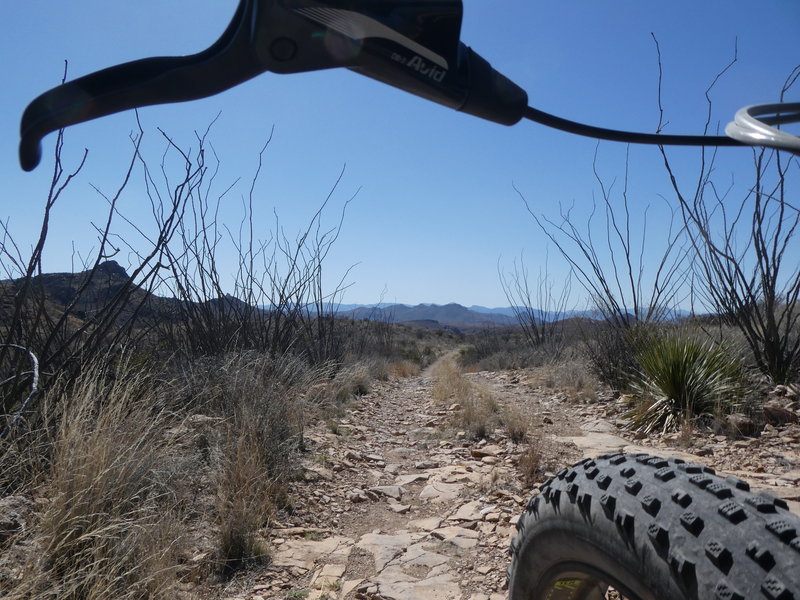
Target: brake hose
(631, 137)
(746, 129)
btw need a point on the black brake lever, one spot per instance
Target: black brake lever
(410, 44)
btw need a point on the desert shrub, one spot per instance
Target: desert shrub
(491, 350)
(263, 403)
(263, 400)
(613, 352)
(681, 378)
(109, 529)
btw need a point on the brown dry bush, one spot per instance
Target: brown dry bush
(109, 529)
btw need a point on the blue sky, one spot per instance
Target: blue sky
(436, 208)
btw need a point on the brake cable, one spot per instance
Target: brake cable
(412, 45)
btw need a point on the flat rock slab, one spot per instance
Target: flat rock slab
(471, 511)
(439, 491)
(303, 554)
(402, 480)
(428, 524)
(417, 555)
(327, 578)
(458, 536)
(385, 547)
(390, 491)
(489, 450)
(437, 587)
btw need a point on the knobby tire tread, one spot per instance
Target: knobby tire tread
(663, 528)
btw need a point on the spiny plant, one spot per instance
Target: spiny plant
(680, 378)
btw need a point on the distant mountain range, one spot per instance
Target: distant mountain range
(451, 315)
(61, 289)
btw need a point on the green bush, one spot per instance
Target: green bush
(681, 378)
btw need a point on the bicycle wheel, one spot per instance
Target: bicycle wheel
(643, 527)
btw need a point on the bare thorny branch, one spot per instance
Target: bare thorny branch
(742, 247)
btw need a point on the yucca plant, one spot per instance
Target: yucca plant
(681, 378)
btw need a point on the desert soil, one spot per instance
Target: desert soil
(397, 504)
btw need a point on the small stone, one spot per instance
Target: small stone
(357, 496)
(390, 491)
(479, 452)
(426, 464)
(353, 455)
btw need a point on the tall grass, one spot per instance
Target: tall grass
(448, 382)
(262, 403)
(478, 412)
(109, 529)
(681, 378)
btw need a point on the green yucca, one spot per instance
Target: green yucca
(681, 378)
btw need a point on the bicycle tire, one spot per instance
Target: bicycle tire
(653, 528)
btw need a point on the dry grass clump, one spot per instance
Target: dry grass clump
(352, 380)
(478, 413)
(403, 368)
(263, 402)
(246, 492)
(109, 529)
(534, 461)
(516, 423)
(448, 382)
(478, 410)
(571, 376)
(133, 464)
(24, 459)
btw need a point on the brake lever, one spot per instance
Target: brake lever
(409, 44)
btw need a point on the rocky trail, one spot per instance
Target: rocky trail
(396, 504)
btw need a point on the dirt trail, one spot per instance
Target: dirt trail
(394, 507)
